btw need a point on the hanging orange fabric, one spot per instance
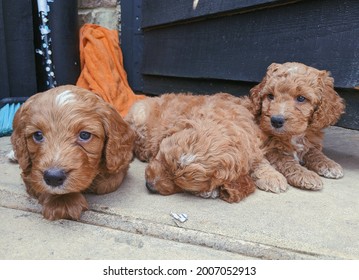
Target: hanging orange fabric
(102, 67)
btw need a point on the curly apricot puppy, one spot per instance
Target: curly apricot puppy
(67, 140)
(292, 105)
(206, 145)
(208, 158)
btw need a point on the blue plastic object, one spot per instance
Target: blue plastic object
(8, 108)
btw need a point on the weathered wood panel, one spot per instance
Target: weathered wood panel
(158, 85)
(351, 117)
(240, 47)
(4, 78)
(18, 75)
(160, 12)
(131, 41)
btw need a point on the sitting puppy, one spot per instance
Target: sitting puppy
(67, 140)
(292, 105)
(206, 145)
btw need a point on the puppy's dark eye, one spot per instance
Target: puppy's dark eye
(270, 96)
(84, 136)
(301, 98)
(38, 137)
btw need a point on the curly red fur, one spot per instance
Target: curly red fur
(97, 163)
(206, 145)
(292, 105)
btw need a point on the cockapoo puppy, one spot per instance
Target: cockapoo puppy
(67, 140)
(292, 104)
(205, 145)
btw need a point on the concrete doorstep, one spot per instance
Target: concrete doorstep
(131, 223)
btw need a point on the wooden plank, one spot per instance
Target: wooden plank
(132, 42)
(20, 53)
(20, 47)
(65, 41)
(240, 47)
(156, 85)
(351, 117)
(4, 78)
(160, 12)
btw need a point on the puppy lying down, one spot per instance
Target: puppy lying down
(67, 140)
(205, 145)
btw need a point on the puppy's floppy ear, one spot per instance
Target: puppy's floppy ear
(18, 138)
(237, 190)
(119, 140)
(256, 97)
(331, 106)
(272, 69)
(255, 93)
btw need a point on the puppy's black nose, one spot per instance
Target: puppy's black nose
(54, 177)
(151, 187)
(277, 121)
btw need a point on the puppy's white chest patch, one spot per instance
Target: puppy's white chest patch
(65, 97)
(298, 145)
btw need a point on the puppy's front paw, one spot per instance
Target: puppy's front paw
(331, 170)
(275, 183)
(305, 179)
(268, 179)
(65, 206)
(315, 160)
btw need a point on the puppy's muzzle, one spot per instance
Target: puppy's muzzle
(151, 187)
(54, 177)
(277, 121)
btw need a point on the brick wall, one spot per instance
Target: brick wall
(103, 12)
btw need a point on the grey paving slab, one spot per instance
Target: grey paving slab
(296, 224)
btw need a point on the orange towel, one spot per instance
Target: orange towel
(102, 67)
